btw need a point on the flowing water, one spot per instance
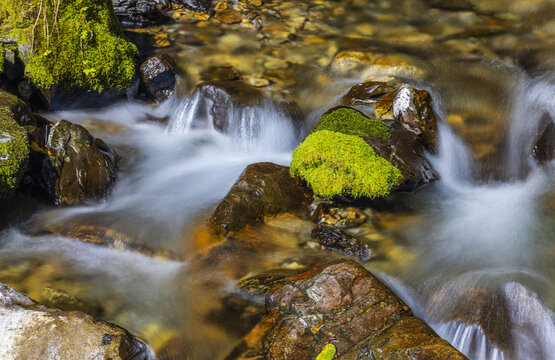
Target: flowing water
(476, 247)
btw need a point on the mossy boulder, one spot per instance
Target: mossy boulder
(14, 153)
(70, 43)
(351, 122)
(338, 164)
(14, 145)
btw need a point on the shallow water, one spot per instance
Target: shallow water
(471, 254)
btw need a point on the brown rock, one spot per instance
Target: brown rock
(229, 16)
(344, 305)
(337, 240)
(263, 189)
(158, 76)
(33, 331)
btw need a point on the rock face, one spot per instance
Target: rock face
(337, 240)
(344, 305)
(71, 166)
(263, 189)
(14, 147)
(57, 334)
(159, 76)
(138, 12)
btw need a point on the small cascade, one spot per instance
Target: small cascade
(470, 340)
(265, 127)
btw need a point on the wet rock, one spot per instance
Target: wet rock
(229, 16)
(18, 109)
(215, 98)
(158, 76)
(139, 12)
(406, 151)
(341, 217)
(14, 146)
(204, 6)
(394, 100)
(71, 166)
(263, 189)
(337, 240)
(544, 148)
(344, 305)
(59, 334)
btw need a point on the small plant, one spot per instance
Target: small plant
(338, 164)
(351, 122)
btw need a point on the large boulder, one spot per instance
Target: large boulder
(14, 146)
(263, 189)
(71, 166)
(159, 76)
(29, 330)
(343, 305)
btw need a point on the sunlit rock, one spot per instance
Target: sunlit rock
(344, 305)
(29, 330)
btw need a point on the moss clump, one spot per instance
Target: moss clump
(72, 43)
(351, 122)
(337, 164)
(14, 153)
(2, 58)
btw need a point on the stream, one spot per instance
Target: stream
(471, 254)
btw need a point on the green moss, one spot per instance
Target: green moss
(2, 57)
(74, 43)
(14, 153)
(337, 164)
(328, 353)
(351, 122)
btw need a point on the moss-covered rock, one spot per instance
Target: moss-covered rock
(70, 43)
(351, 122)
(14, 151)
(2, 58)
(338, 164)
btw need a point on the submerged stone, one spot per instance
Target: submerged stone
(337, 240)
(263, 189)
(344, 305)
(29, 330)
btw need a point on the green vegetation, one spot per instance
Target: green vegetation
(14, 153)
(337, 164)
(328, 353)
(351, 122)
(71, 43)
(2, 58)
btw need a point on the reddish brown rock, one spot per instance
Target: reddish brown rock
(345, 305)
(263, 189)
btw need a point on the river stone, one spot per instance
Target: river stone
(337, 240)
(345, 305)
(138, 12)
(204, 6)
(29, 330)
(329, 213)
(77, 166)
(262, 189)
(158, 76)
(229, 16)
(394, 100)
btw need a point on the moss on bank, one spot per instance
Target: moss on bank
(351, 122)
(2, 58)
(14, 153)
(70, 43)
(338, 164)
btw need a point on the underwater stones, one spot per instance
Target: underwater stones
(336, 239)
(158, 76)
(138, 12)
(229, 16)
(263, 189)
(60, 334)
(327, 213)
(344, 305)
(377, 66)
(73, 166)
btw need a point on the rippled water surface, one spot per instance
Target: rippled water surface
(472, 254)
